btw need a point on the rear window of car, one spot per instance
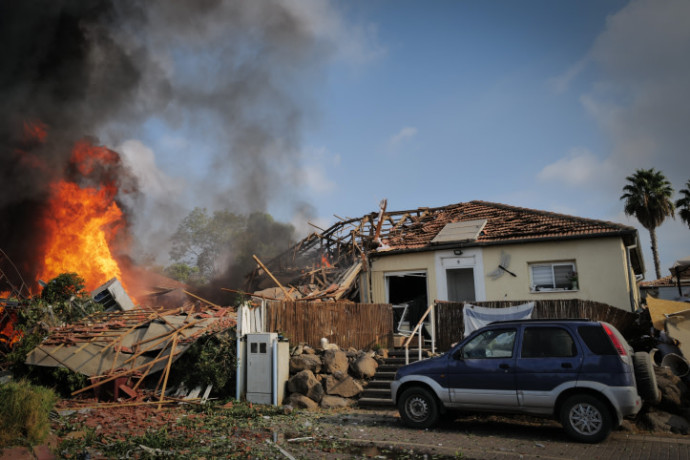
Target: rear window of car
(596, 340)
(547, 342)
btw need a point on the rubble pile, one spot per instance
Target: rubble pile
(121, 348)
(670, 345)
(328, 377)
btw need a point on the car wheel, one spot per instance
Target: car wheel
(586, 419)
(418, 408)
(645, 377)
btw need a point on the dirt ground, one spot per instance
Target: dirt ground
(238, 430)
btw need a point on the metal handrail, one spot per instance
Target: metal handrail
(418, 327)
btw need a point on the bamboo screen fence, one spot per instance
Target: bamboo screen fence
(347, 324)
(450, 325)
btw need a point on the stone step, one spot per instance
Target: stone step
(379, 383)
(377, 392)
(374, 402)
(388, 368)
(384, 375)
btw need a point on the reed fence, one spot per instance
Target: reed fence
(358, 325)
(450, 324)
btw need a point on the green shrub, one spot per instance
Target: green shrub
(24, 413)
(210, 360)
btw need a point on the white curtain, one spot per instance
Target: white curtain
(476, 317)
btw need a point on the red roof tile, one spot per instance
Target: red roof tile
(505, 224)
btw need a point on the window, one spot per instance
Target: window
(547, 342)
(496, 343)
(553, 276)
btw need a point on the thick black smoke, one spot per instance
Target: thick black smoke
(237, 71)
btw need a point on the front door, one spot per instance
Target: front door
(481, 374)
(460, 283)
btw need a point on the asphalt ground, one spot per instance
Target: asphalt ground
(478, 437)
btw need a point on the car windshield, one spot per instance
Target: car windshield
(495, 343)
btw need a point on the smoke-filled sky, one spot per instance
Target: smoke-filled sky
(307, 108)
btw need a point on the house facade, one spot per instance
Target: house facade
(482, 251)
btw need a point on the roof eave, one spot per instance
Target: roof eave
(629, 241)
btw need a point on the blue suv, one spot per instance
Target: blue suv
(581, 372)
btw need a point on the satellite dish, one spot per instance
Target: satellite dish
(502, 267)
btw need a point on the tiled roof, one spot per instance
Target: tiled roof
(666, 281)
(505, 224)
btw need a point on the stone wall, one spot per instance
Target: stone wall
(329, 377)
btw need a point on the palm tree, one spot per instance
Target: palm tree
(683, 204)
(648, 197)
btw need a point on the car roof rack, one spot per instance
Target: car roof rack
(543, 320)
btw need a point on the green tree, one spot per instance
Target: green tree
(63, 287)
(208, 246)
(683, 204)
(647, 196)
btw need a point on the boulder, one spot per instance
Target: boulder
(325, 345)
(298, 350)
(302, 382)
(364, 367)
(316, 393)
(334, 361)
(347, 387)
(382, 353)
(305, 362)
(335, 402)
(300, 401)
(674, 392)
(658, 420)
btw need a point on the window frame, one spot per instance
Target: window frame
(572, 268)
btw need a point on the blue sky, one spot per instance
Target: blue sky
(542, 104)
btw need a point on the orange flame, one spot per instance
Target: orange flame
(81, 224)
(325, 262)
(8, 334)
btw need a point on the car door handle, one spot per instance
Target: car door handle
(503, 366)
(566, 365)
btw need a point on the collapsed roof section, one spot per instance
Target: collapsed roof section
(325, 264)
(133, 343)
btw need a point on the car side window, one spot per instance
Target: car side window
(547, 342)
(495, 343)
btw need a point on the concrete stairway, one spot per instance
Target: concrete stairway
(377, 394)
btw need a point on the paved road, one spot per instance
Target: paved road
(491, 437)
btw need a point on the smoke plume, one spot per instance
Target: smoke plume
(235, 74)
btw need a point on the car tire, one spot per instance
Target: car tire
(646, 378)
(586, 418)
(418, 408)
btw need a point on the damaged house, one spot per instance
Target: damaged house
(473, 251)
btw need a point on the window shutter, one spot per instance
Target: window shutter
(542, 276)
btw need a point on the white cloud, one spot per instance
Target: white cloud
(642, 99)
(580, 167)
(561, 83)
(402, 136)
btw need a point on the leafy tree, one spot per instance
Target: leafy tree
(63, 300)
(63, 287)
(683, 204)
(183, 272)
(206, 247)
(201, 237)
(648, 197)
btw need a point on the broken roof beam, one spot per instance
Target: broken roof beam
(282, 288)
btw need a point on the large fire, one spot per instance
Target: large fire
(81, 223)
(8, 334)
